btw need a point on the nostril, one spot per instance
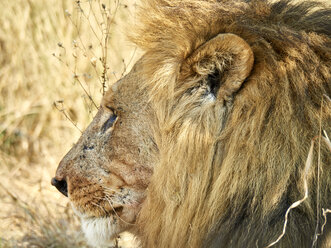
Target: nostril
(61, 185)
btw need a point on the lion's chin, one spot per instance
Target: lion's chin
(100, 232)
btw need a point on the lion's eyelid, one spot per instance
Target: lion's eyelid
(109, 123)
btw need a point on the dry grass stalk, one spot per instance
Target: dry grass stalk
(324, 212)
(297, 203)
(308, 166)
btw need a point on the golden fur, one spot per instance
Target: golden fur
(222, 108)
(232, 182)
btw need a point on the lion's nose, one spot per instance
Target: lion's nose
(61, 185)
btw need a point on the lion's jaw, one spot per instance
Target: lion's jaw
(99, 231)
(102, 229)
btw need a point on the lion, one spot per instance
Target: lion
(204, 142)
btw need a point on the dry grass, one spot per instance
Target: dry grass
(50, 51)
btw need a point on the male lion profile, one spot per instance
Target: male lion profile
(204, 142)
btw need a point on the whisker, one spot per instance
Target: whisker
(97, 198)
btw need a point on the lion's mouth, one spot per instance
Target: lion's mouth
(116, 211)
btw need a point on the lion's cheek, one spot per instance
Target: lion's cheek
(129, 214)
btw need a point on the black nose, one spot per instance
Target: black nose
(61, 185)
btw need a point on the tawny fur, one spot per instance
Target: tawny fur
(231, 187)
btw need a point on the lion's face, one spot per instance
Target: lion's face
(107, 170)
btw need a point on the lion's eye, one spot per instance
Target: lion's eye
(109, 123)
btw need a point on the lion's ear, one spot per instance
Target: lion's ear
(224, 62)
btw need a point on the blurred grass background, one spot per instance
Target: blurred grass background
(51, 53)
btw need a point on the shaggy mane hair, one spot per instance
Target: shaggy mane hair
(228, 172)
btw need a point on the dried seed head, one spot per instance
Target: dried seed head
(87, 75)
(94, 61)
(74, 43)
(67, 12)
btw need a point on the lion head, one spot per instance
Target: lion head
(204, 142)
